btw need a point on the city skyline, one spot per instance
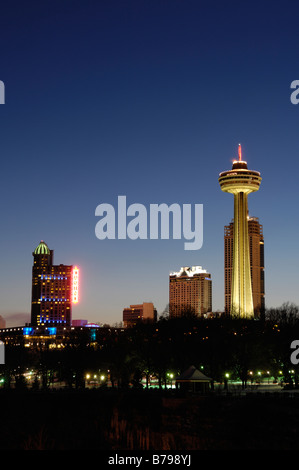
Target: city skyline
(148, 101)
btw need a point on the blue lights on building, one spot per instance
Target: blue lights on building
(48, 331)
(93, 334)
(27, 331)
(53, 277)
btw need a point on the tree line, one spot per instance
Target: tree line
(218, 346)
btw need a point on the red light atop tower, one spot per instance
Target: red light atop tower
(75, 285)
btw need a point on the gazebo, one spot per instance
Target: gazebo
(192, 380)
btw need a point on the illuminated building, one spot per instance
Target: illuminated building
(52, 337)
(190, 290)
(138, 313)
(240, 182)
(256, 251)
(54, 289)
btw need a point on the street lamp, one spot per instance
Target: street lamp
(171, 377)
(226, 375)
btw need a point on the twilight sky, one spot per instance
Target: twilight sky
(147, 99)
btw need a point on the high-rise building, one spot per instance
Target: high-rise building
(240, 182)
(137, 313)
(54, 289)
(257, 267)
(190, 290)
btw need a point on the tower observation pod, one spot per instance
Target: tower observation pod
(240, 182)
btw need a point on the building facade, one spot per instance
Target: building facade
(257, 266)
(52, 289)
(2, 322)
(190, 290)
(137, 313)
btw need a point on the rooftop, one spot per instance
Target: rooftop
(42, 249)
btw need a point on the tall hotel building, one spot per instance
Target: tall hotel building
(54, 289)
(190, 289)
(257, 266)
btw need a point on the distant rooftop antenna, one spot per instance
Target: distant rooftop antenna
(240, 153)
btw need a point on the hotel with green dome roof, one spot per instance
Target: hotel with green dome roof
(52, 289)
(42, 249)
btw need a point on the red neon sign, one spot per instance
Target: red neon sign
(75, 285)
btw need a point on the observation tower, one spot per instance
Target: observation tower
(240, 182)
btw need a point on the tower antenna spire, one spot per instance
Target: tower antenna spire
(240, 152)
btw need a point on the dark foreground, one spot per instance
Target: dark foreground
(117, 420)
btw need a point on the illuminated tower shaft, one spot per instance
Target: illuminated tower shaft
(242, 301)
(240, 182)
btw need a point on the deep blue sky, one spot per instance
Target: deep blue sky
(147, 99)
